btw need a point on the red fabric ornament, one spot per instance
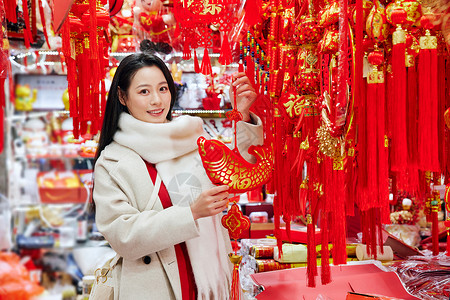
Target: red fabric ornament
(329, 14)
(196, 64)
(44, 27)
(235, 222)
(206, 68)
(2, 108)
(10, 10)
(225, 57)
(28, 37)
(447, 117)
(428, 101)
(195, 17)
(84, 32)
(447, 208)
(373, 191)
(376, 24)
(235, 286)
(252, 12)
(399, 150)
(224, 166)
(435, 208)
(186, 51)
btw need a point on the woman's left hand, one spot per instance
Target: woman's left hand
(245, 94)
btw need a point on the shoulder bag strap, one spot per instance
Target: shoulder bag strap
(154, 192)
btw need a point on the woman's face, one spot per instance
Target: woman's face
(148, 97)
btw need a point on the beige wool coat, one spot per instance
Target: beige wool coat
(122, 188)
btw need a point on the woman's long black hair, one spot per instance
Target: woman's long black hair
(125, 72)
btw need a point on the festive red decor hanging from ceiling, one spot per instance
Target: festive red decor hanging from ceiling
(195, 20)
(347, 131)
(85, 48)
(5, 66)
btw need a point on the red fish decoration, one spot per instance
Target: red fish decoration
(225, 166)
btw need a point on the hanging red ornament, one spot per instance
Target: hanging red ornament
(376, 24)
(373, 191)
(84, 48)
(428, 99)
(206, 68)
(225, 57)
(224, 166)
(399, 150)
(447, 118)
(196, 64)
(186, 51)
(447, 221)
(329, 14)
(236, 223)
(412, 9)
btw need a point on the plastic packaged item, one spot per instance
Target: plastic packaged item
(424, 276)
(383, 255)
(291, 253)
(35, 242)
(15, 280)
(262, 251)
(259, 217)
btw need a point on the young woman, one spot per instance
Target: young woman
(172, 245)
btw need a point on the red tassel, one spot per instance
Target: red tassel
(196, 65)
(311, 268)
(412, 116)
(447, 222)
(441, 111)
(186, 50)
(10, 9)
(428, 106)
(371, 145)
(235, 286)
(250, 70)
(252, 12)
(2, 106)
(44, 25)
(225, 57)
(382, 199)
(435, 229)
(343, 56)
(339, 222)
(399, 151)
(325, 253)
(28, 38)
(206, 68)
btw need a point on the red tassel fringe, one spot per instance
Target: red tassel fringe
(399, 152)
(225, 57)
(206, 68)
(428, 109)
(196, 65)
(2, 118)
(325, 253)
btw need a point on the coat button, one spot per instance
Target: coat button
(146, 259)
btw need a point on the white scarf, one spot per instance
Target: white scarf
(172, 147)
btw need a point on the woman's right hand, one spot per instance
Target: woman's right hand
(210, 202)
